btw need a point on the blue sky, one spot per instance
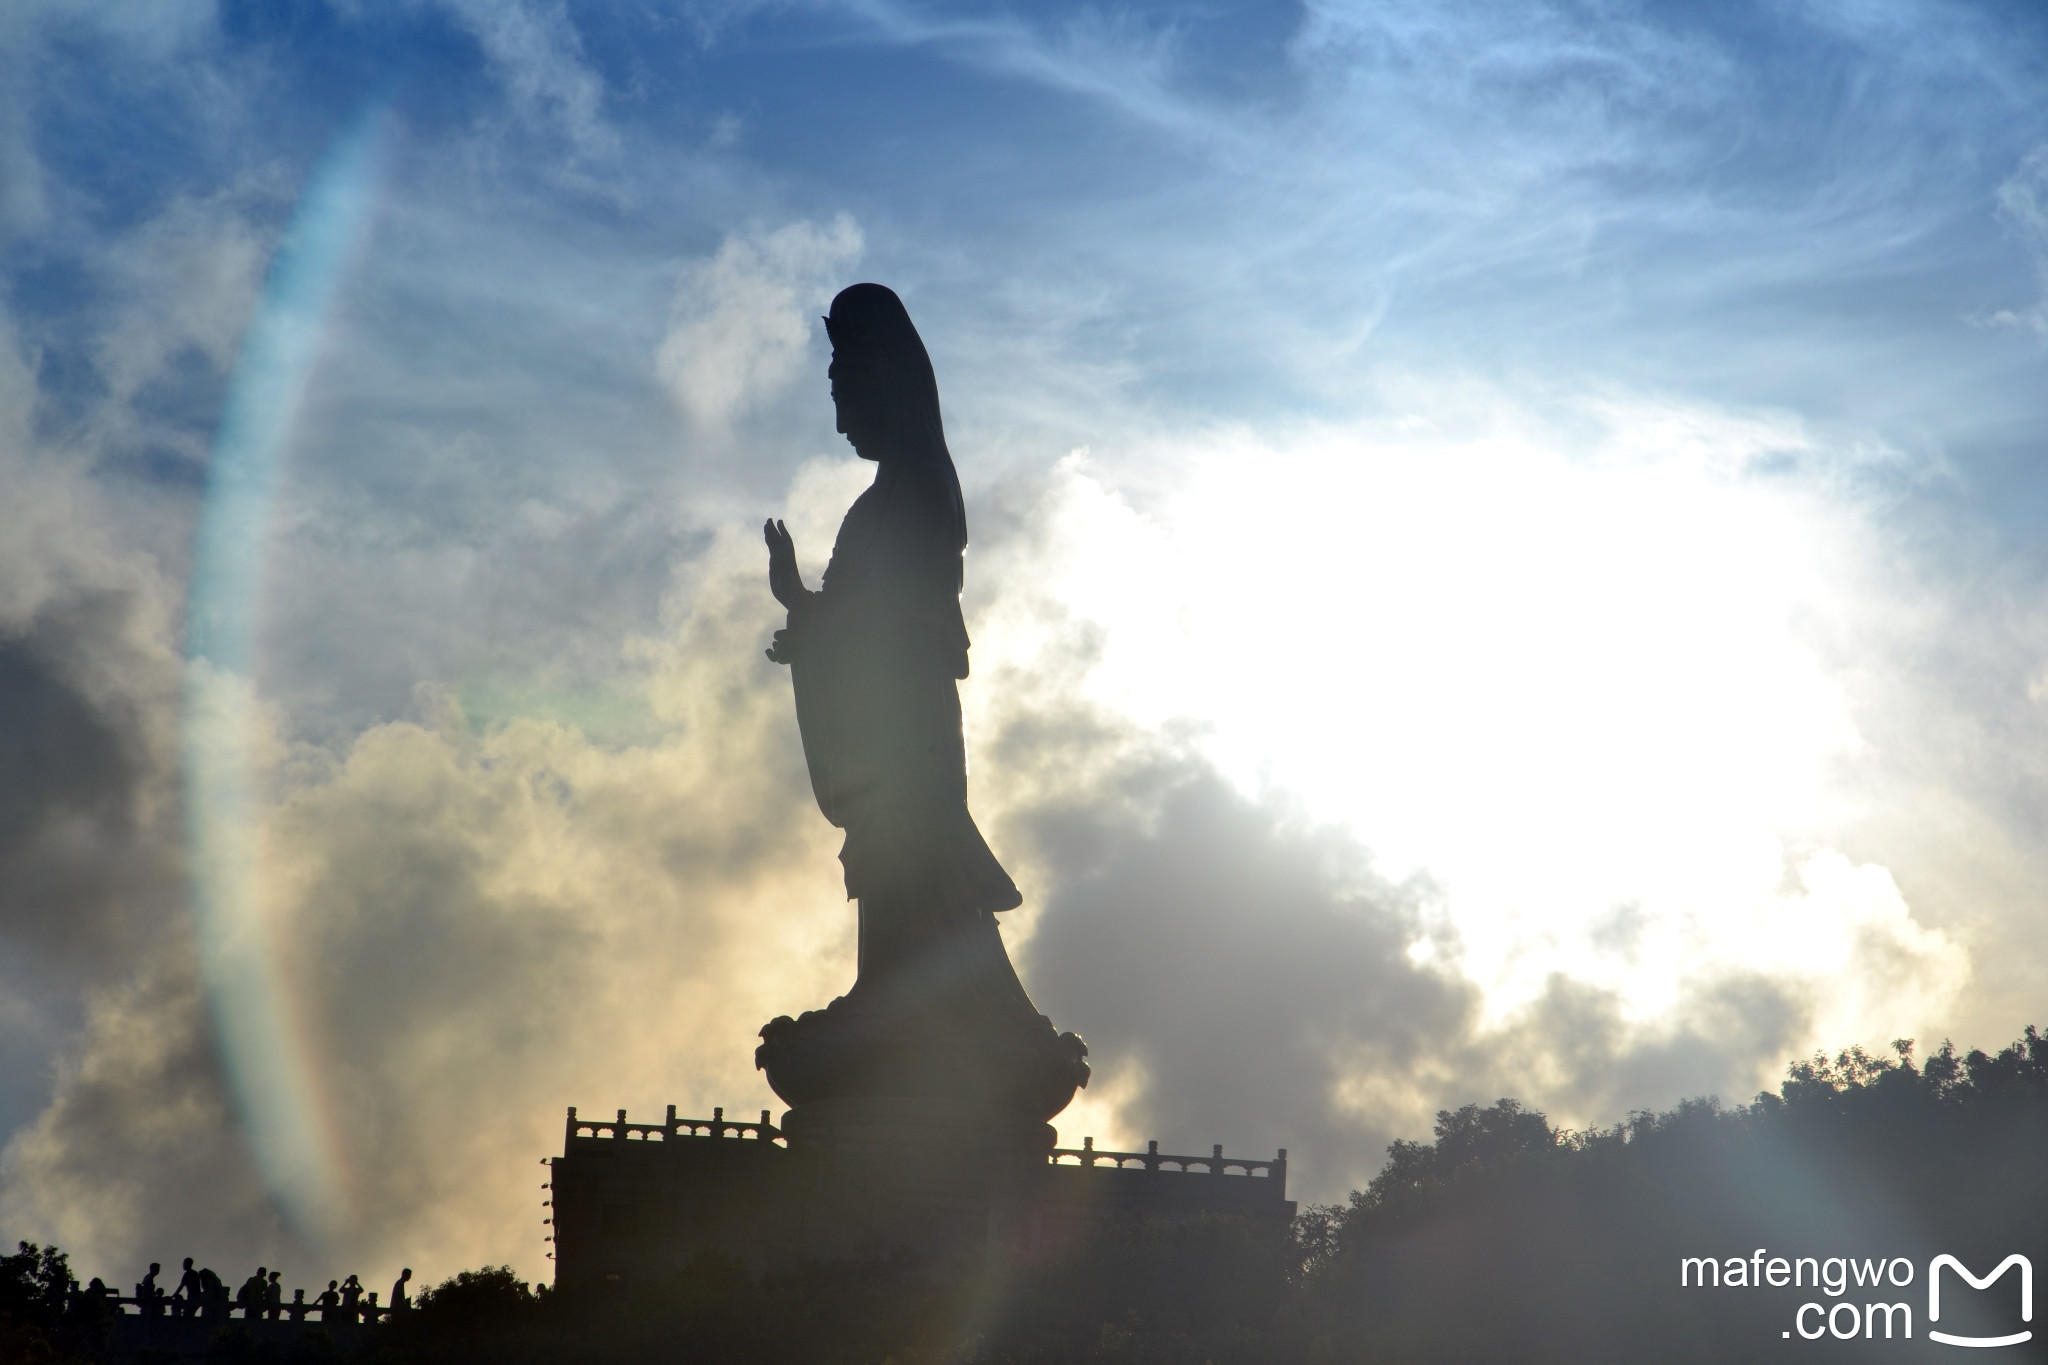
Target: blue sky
(1550, 487)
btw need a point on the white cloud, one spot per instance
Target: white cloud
(186, 279)
(744, 319)
(18, 394)
(1112, 59)
(2023, 202)
(23, 203)
(534, 48)
(151, 29)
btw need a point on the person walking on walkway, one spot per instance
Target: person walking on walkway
(190, 1295)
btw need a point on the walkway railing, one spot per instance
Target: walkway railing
(1152, 1159)
(299, 1309)
(672, 1128)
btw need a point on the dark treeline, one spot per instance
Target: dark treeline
(1503, 1239)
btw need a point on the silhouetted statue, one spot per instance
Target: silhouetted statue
(875, 656)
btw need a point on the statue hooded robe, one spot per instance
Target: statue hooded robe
(937, 1015)
(875, 658)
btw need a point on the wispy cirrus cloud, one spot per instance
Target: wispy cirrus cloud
(2023, 202)
(534, 49)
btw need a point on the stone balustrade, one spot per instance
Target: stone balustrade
(1152, 1159)
(673, 1128)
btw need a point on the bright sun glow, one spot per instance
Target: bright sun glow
(1574, 673)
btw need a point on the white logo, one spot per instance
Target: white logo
(1934, 1298)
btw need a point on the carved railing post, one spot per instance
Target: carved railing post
(718, 1121)
(572, 1130)
(619, 1131)
(1152, 1155)
(1216, 1159)
(669, 1129)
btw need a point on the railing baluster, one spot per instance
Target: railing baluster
(1153, 1160)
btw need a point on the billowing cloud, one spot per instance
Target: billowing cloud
(1233, 969)
(483, 920)
(91, 830)
(474, 928)
(89, 675)
(744, 319)
(1503, 638)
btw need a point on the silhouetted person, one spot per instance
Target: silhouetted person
(190, 1295)
(330, 1303)
(250, 1297)
(351, 1299)
(399, 1302)
(273, 1295)
(213, 1295)
(90, 1303)
(149, 1299)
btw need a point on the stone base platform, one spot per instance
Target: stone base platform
(853, 1179)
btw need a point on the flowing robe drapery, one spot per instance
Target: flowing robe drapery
(875, 658)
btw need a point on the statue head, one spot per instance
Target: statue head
(882, 382)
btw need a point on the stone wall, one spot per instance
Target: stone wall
(641, 1200)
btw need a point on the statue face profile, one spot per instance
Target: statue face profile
(853, 400)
